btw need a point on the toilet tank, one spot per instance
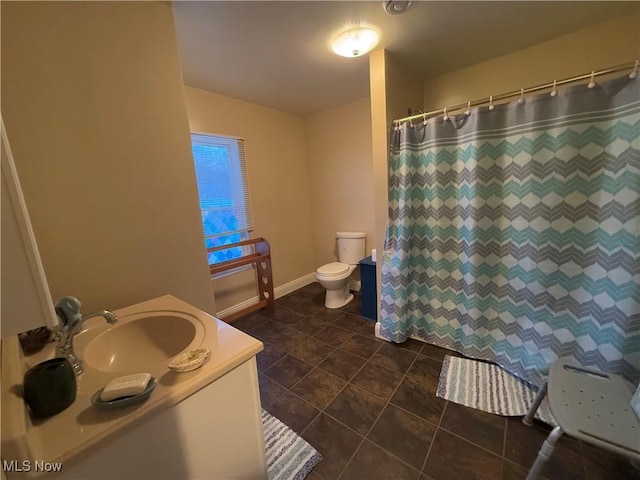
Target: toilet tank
(351, 247)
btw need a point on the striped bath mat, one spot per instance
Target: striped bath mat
(289, 456)
(486, 386)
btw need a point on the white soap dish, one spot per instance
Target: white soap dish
(187, 361)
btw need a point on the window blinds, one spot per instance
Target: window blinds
(222, 187)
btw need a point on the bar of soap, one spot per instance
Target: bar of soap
(126, 386)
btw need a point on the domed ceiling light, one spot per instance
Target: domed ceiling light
(355, 41)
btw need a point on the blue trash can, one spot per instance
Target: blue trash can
(369, 309)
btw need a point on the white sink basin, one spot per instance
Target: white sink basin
(138, 343)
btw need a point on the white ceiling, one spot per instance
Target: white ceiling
(276, 53)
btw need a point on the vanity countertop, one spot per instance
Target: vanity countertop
(82, 426)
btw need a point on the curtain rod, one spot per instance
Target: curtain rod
(517, 93)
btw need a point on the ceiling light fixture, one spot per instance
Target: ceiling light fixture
(355, 41)
(396, 7)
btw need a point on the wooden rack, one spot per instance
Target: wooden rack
(261, 257)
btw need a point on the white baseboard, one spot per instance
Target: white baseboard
(278, 292)
(294, 285)
(377, 331)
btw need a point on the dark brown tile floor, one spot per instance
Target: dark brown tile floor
(369, 406)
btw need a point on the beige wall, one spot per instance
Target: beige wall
(608, 43)
(341, 176)
(93, 103)
(277, 171)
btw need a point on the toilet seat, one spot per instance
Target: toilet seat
(334, 269)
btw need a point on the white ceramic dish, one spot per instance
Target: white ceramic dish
(190, 360)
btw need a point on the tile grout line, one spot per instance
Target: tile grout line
(584, 461)
(368, 439)
(424, 462)
(504, 447)
(320, 411)
(364, 437)
(289, 353)
(433, 440)
(363, 330)
(438, 426)
(349, 382)
(348, 462)
(318, 366)
(469, 441)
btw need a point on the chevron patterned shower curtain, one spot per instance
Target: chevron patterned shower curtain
(514, 233)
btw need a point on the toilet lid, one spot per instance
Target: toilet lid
(334, 268)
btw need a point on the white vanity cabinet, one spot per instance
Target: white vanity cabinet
(216, 433)
(201, 424)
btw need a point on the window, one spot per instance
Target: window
(224, 196)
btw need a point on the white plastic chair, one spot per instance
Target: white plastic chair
(592, 406)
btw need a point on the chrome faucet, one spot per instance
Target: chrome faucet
(68, 308)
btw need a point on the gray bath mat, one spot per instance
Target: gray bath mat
(289, 456)
(487, 387)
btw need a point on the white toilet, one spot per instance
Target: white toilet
(335, 277)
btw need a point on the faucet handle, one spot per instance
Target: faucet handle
(69, 309)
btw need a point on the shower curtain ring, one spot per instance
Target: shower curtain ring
(554, 92)
(521, 99)
(446, 116)
(592, 83)
(491, 107)
(468, 112)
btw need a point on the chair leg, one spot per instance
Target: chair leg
(545, 452)
(542, 392)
